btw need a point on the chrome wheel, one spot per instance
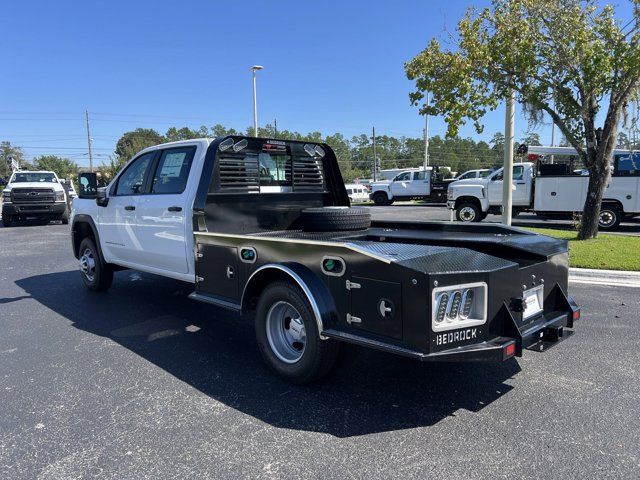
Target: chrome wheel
(467, 214)
(285, 332)
(88, 264)
(607, 218)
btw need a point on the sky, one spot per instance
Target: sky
(329, 66)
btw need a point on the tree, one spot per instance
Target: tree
(128, 145)
(8, 152)
(531, 138)
(132, 142)
(63, 167)
(543, 50)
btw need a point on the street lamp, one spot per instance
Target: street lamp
(254, 69)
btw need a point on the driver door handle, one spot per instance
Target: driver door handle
(175, 209)
(129, 207)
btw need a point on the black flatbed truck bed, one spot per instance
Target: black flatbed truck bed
(390, 276)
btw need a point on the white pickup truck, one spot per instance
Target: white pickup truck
(264, 227)
(549, 190)
(408, 185)
(34, 194)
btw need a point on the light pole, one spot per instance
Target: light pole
(254, 69)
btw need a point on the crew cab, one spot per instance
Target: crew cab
(264, 227)
(34, 194)
(407, 185)
(551, 190)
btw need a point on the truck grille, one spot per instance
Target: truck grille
(33, 195)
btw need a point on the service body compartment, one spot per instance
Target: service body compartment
(560, 194)
(217, 271)
(376, 306)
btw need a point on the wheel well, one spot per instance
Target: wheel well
(258, 283)
(81, 230)
(381, 192)
(616, 203)
(472, 200)
(315, 290)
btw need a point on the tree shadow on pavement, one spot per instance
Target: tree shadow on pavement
(214, 351)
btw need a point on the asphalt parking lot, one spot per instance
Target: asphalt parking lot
(142, 382)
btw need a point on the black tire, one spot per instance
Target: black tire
(317, 356)
(64, 218)
(328, 219)
(7, 221)
(100, 277)
(610, 217)
(381, 199)
(468, 212)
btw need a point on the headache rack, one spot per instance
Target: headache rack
(245, 174)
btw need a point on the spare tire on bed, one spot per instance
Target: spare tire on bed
(327, 219)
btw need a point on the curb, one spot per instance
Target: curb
(604, 277)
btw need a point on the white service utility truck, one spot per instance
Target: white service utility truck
(552, 190)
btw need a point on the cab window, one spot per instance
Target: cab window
(518, 174)
(172, 172)
(421, 175)
(466, 175)
(403, 177)
(131, 181)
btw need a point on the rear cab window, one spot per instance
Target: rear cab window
(274, 169)
(172, 171)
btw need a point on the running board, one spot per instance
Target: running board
(215, 301)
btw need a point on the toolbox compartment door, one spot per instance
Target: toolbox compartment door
(378, 306)
(217, 271)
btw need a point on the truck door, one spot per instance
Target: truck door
(117, 220)
(161, 214)
(521, 187)
(401, 185)
(421, 184)
(522, 181)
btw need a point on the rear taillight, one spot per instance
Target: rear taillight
(509, 350)
(576, 315)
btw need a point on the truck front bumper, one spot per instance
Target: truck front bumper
(26, 210)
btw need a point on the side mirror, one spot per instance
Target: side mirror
(87, 185)
(102, 199)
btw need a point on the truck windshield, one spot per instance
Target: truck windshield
(23, 177)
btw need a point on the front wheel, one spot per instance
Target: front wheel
(7, 220)
(610, 217)
(64, 218)
(468, 212)
(96, 276)
(381, 199)
(288, 336)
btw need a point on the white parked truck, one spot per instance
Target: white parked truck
(408, 185)
(550, 190)
(32, 194)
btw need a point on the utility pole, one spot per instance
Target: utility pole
(89, 142)
(275, 128)
(507, 172)
(375, 156)
(426, 137)
(254, 69)
(553, 130)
